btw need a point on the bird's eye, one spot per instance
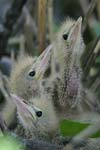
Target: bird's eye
(39, 113)
(32, 73)
(65, 36)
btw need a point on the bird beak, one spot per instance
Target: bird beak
(75, 33)
(23, 108)
(78, 25)
(42, 63)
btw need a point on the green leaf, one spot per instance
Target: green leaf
(71, 128)
(10, 143)
(96, 135)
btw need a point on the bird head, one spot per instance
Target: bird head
(27, 112)
(39, 67)
(47, 124)
(38, 116)
(69, 41)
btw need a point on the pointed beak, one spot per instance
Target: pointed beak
(23, 108)
(78, 25)
(79, 20)
(75, 34)
(42, 63)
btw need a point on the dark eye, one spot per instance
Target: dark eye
(32, 73)
(39, 113)
(65, 36)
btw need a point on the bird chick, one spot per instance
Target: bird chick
(68, 48)
(35, 119)
(67, 51)
(21, 83)
(45, 127)
(72, 99)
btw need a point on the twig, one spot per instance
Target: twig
(29, 30)
(41, 23)
(50, 19)
(96, 84)
(88, 58)
(88, 16)
(98, 9)
(92, 55)
(90, 9)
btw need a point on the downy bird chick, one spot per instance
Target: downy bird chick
(72, 99)
(21, 84)
(46, 126)
(68, 48)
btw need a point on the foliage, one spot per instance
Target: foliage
(71, 128)
(9, 143)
